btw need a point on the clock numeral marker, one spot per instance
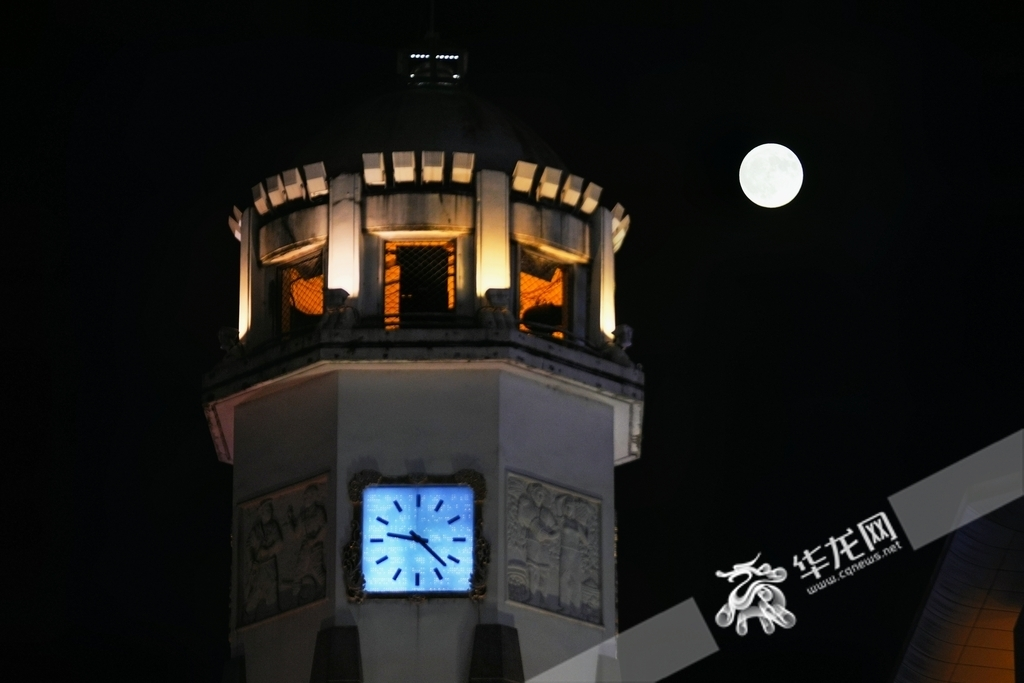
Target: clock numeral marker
(382, 559)
(459, 539)
(397, 505)
(453, 559)
(382, 520)
(395, 577)
(376, 540)
(454, 519)
(417, 578)
(439, 577)
(438, 506)
(417, 500)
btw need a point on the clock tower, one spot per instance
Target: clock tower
(424, 400)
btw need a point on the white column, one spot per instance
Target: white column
(245, 269)
(603, 278)
(345, 224)
(492, 232)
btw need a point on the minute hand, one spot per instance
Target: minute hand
(423, 542)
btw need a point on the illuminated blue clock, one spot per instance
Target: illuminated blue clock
(417, 538)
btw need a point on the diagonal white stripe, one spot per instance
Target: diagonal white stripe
(648, 652)
(933, 507)
(959, 494)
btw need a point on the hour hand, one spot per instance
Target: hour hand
(423, 542)
(402, 536)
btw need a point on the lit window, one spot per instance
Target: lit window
(302, 294)
(542, 295)
(419, 282)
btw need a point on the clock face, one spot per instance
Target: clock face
(418, 539)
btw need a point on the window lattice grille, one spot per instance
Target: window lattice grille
(302, 294)
(419, 281)
(542, 293)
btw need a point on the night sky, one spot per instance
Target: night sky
(802, 363)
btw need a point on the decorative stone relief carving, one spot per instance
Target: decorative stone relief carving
(281, 560)
(552, 546)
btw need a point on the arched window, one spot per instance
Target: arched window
(302, 294)
(419, 282)
(544, 294)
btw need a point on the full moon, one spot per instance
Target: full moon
(771, 175)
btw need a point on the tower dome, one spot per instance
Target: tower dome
(443, 211)
(431, 117)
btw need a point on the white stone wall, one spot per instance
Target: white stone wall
(562, 438)
(401, 418)
(283, 438)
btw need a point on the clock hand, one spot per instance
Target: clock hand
(423, 542)
(407, 538)
(436, 556)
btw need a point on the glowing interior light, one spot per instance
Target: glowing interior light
(307, 294)
(425, 291)
(541, 294)
(302, 294)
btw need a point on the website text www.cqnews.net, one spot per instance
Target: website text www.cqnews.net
(849, 571)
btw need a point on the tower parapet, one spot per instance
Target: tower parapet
(461, 252)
